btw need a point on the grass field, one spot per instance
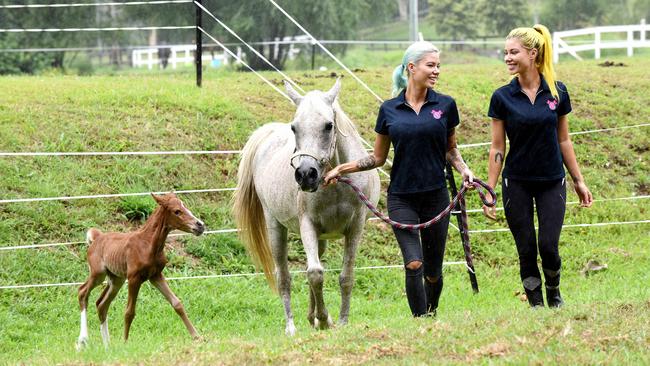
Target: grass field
(604, 321)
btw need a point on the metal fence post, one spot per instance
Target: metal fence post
(199, 46)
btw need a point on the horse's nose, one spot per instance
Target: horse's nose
(306, 177)
(199, 227)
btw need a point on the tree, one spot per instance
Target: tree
(455, 19)
(260, 21)
(501, 17)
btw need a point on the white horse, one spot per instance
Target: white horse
(279, 190)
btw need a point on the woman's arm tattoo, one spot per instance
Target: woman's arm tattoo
(498, 157)
(454, 158)
(367, 163)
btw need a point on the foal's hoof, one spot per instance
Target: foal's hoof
(343, 322)
(81, 344)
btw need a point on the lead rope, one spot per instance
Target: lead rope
(479, 184)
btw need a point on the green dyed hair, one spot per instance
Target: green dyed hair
(539, 38)
(413, 54)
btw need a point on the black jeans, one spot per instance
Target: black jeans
(520, 200)
(426, 246)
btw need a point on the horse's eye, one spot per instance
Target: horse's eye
(177, 212)
(293, 128)
(328, 126)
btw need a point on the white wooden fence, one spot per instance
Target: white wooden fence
(630, 37)
(181, 54)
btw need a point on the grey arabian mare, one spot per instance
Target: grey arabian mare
(278, 190)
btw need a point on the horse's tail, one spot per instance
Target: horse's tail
(91, 235)
(248, 211)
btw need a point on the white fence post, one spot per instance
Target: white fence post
(597, 45)
(630, 43)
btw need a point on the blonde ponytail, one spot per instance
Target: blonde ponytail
(539, 38)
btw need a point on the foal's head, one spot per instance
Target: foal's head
(314, 128)
(178, 216)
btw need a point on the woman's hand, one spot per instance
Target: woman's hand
(490, 212)
(468, 178)
(586, 199)
(330, 177)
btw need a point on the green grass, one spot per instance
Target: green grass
(605, 320)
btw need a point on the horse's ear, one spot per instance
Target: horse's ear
(293, 94)
(331, 95)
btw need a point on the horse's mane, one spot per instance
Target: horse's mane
(343, 122)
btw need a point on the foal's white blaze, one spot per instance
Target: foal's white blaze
(104, 330)
(83, 334)
(191, 214)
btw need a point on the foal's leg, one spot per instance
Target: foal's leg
(346, 279)
(278, 237)
(134, 288)
(93, 281)
(314, 271)
(104, 302)
(161, 284)
(311, 315)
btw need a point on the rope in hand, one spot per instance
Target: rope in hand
(479, 184)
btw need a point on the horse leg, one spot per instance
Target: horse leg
(314, 272)
(279, 248)
(104, 302)
(93, 281)
(311, 315)
(161, 284)
(346, 278)
(134, 288)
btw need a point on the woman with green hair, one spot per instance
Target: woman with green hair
(420, 123)
(532, 111)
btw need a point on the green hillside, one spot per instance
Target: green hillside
(605, 319)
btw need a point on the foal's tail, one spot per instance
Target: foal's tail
(248, 211)
(91, 235)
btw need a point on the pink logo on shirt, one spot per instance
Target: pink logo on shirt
(552, 104)
(436, 114)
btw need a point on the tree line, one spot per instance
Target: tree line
(258, 21)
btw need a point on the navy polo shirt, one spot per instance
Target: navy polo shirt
(534, 153)
(419, 141)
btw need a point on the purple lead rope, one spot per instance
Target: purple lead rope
(458, 198)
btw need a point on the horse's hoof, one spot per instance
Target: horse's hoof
(290, 330)
(343, 322)
(323, 325)
(81, 343)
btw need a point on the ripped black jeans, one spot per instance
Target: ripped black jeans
(426, 246)
(520, 200)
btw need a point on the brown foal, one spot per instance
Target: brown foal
(137, 257)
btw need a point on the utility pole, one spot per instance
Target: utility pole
(413, 20)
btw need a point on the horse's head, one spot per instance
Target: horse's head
(178, 216)
(314, 128)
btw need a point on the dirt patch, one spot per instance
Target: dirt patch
(496, 349)
(611, 63)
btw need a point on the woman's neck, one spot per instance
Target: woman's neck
(415, 93)
(530, 79)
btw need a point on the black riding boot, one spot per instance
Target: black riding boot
(433, 290)
(533, 288)
(553, 297)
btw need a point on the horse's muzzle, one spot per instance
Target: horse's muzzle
(198, 228)
(308, 177)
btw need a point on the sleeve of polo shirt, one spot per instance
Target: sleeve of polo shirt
(496, 108)
(453, 120)
(381, 126)
(564, 107)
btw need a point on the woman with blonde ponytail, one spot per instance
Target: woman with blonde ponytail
(532, 111)
(420, 123)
